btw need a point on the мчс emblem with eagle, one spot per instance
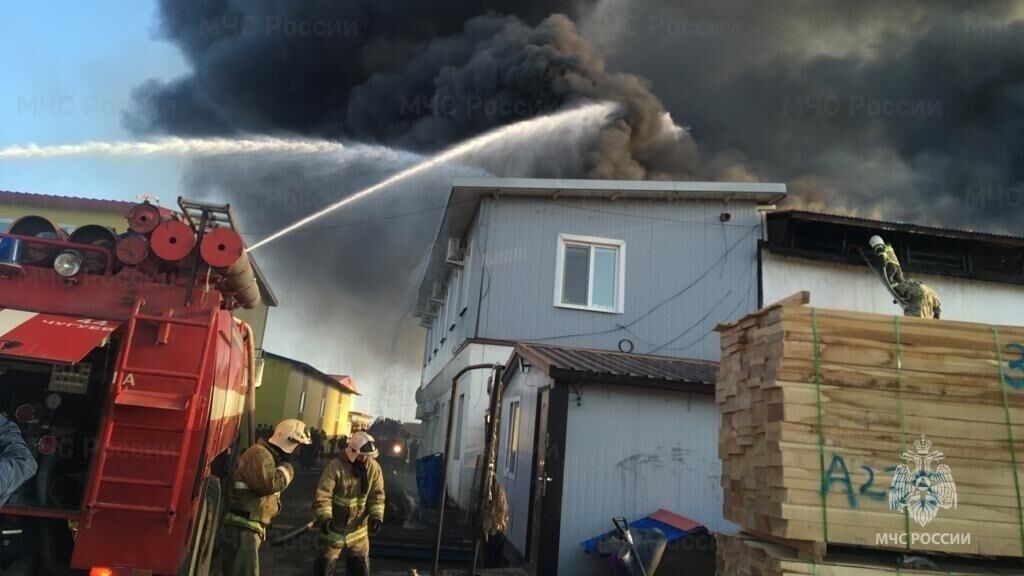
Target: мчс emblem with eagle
(919, 489)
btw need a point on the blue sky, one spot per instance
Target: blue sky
(68, 71)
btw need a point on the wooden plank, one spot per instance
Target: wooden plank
(780, 377)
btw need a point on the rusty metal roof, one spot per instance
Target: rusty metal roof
(900, 226)
(69, 202)
(346, 382)
(582, 364)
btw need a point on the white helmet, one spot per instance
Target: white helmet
(288, 434)
(876, 241)
(362, 443)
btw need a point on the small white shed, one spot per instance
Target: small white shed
(587, 435)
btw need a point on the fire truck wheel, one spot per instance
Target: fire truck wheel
(200, 555)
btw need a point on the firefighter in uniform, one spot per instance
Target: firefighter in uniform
(254, 496)
(921, 300)
(918, 298)
(349, 508)
(891, 267)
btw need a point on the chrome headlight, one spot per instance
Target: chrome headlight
(68, 263)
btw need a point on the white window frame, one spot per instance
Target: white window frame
(323, 402)
(510, 469)
(302, 404)
(565, 240)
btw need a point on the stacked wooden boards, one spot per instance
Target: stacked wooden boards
(741, 556)
(819, 407)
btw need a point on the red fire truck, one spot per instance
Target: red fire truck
(129, 378)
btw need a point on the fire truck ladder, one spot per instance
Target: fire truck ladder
(125, 394)
(203, 217)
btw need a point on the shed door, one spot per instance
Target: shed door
(541, 480)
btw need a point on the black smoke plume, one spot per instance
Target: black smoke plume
(415, 76)
(903, 110)
(906, 110)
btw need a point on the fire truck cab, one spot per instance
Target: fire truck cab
(129, 378)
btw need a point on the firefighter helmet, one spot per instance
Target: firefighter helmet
(362, 443)
(288, 434)
(876, 241)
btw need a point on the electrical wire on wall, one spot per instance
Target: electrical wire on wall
(665, 346)
(658, 306)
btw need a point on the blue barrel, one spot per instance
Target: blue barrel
(10, 250)
(428, 480)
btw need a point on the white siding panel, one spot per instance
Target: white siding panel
(631, 452)
(857, 288)
(474, 386)
(685, 272)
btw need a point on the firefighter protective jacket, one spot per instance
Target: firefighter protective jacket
(254, 493)
(349, 498)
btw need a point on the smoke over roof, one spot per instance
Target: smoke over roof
(404, 73)
(908, 111)
(904, 110)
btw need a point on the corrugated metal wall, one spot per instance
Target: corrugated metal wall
(456, 321)
(678, 255)
(686, 271)
(630, 452)
(858, 288)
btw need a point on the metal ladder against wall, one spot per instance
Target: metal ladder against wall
(123, 396)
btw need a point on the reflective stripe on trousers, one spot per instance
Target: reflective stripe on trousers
(348, 538)
(243, 522)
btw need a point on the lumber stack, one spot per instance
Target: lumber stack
(742, 556)
(818, 408)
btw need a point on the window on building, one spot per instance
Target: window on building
(302, 403)
(461, 410)
(512, 438)
(5, 223)
(590, 273)
(323, 403)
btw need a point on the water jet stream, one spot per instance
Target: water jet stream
(587, 114)
(173, 145)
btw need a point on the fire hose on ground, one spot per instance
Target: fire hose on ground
(288, 537)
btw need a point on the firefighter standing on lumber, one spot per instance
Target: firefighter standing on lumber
(254, 496)
(916, 297)
(349, 508)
